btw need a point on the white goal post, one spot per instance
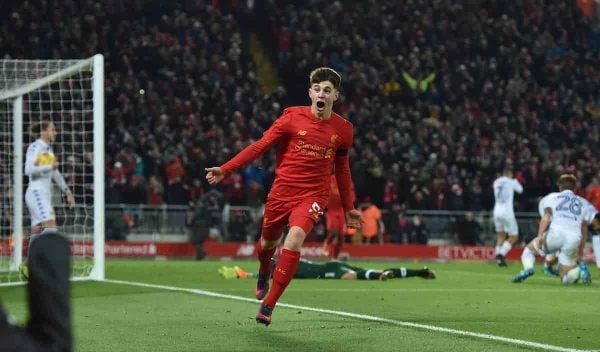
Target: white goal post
(69, 93)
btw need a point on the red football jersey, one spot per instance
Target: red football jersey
(335, 200)
(308, 149)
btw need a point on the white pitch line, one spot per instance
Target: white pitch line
(357, 316)
(491, 290)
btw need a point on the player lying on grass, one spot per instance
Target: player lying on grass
(333, 270)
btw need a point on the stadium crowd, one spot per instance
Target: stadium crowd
(442, 94)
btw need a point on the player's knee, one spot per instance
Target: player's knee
(268, 244)
(295, 238)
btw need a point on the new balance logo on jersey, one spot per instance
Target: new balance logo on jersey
(302, 133)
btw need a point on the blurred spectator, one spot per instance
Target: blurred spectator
(418, 231)
(233, 189)
(197, 225)
(372, 228)
(136, 192)
(174, 170)
(467, 230)
(177, 192)
(155, 191)
(117, 226)
(399, 225)
(239, 225)
(254, 173)
(214, 202)
(119, 174)
(195, 190)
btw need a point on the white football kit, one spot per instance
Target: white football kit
(38, 166)
(569, 211)
(504, 213)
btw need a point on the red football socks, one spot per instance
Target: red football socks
(284, 272)
(335, 252)
(264, 257)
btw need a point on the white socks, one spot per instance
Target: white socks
(571, 276)
(498, 249)
(506, 247)
(527, 258)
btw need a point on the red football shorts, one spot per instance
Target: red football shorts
(279, 213)
(336, 221)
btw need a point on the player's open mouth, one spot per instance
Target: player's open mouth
(320, 105)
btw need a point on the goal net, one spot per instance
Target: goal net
(69, 93)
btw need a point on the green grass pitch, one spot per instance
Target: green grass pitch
(467, 297)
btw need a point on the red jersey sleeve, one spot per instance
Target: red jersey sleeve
(342, 171)
(275, 133)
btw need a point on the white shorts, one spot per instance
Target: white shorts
(567, 242)
(39, 203)
(506, 224)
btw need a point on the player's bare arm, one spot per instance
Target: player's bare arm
(543, 227)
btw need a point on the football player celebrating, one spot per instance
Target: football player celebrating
(310, 141)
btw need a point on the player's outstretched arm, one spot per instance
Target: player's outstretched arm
(214, 175)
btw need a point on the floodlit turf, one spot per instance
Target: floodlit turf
(470, 297)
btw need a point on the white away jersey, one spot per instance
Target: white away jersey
(38, 164)
(568, 210)
(504, 190)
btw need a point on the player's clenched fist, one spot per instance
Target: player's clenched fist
(354, 219)
(214, 175)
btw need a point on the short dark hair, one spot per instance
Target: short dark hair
(567, 181)
(323, 74)
(37, 128)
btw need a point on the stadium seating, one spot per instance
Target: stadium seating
(442, 94)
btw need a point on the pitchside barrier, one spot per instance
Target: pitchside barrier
(313, 250)
(239, 223)
(160, 231)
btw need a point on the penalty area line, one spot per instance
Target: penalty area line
(356, 316)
